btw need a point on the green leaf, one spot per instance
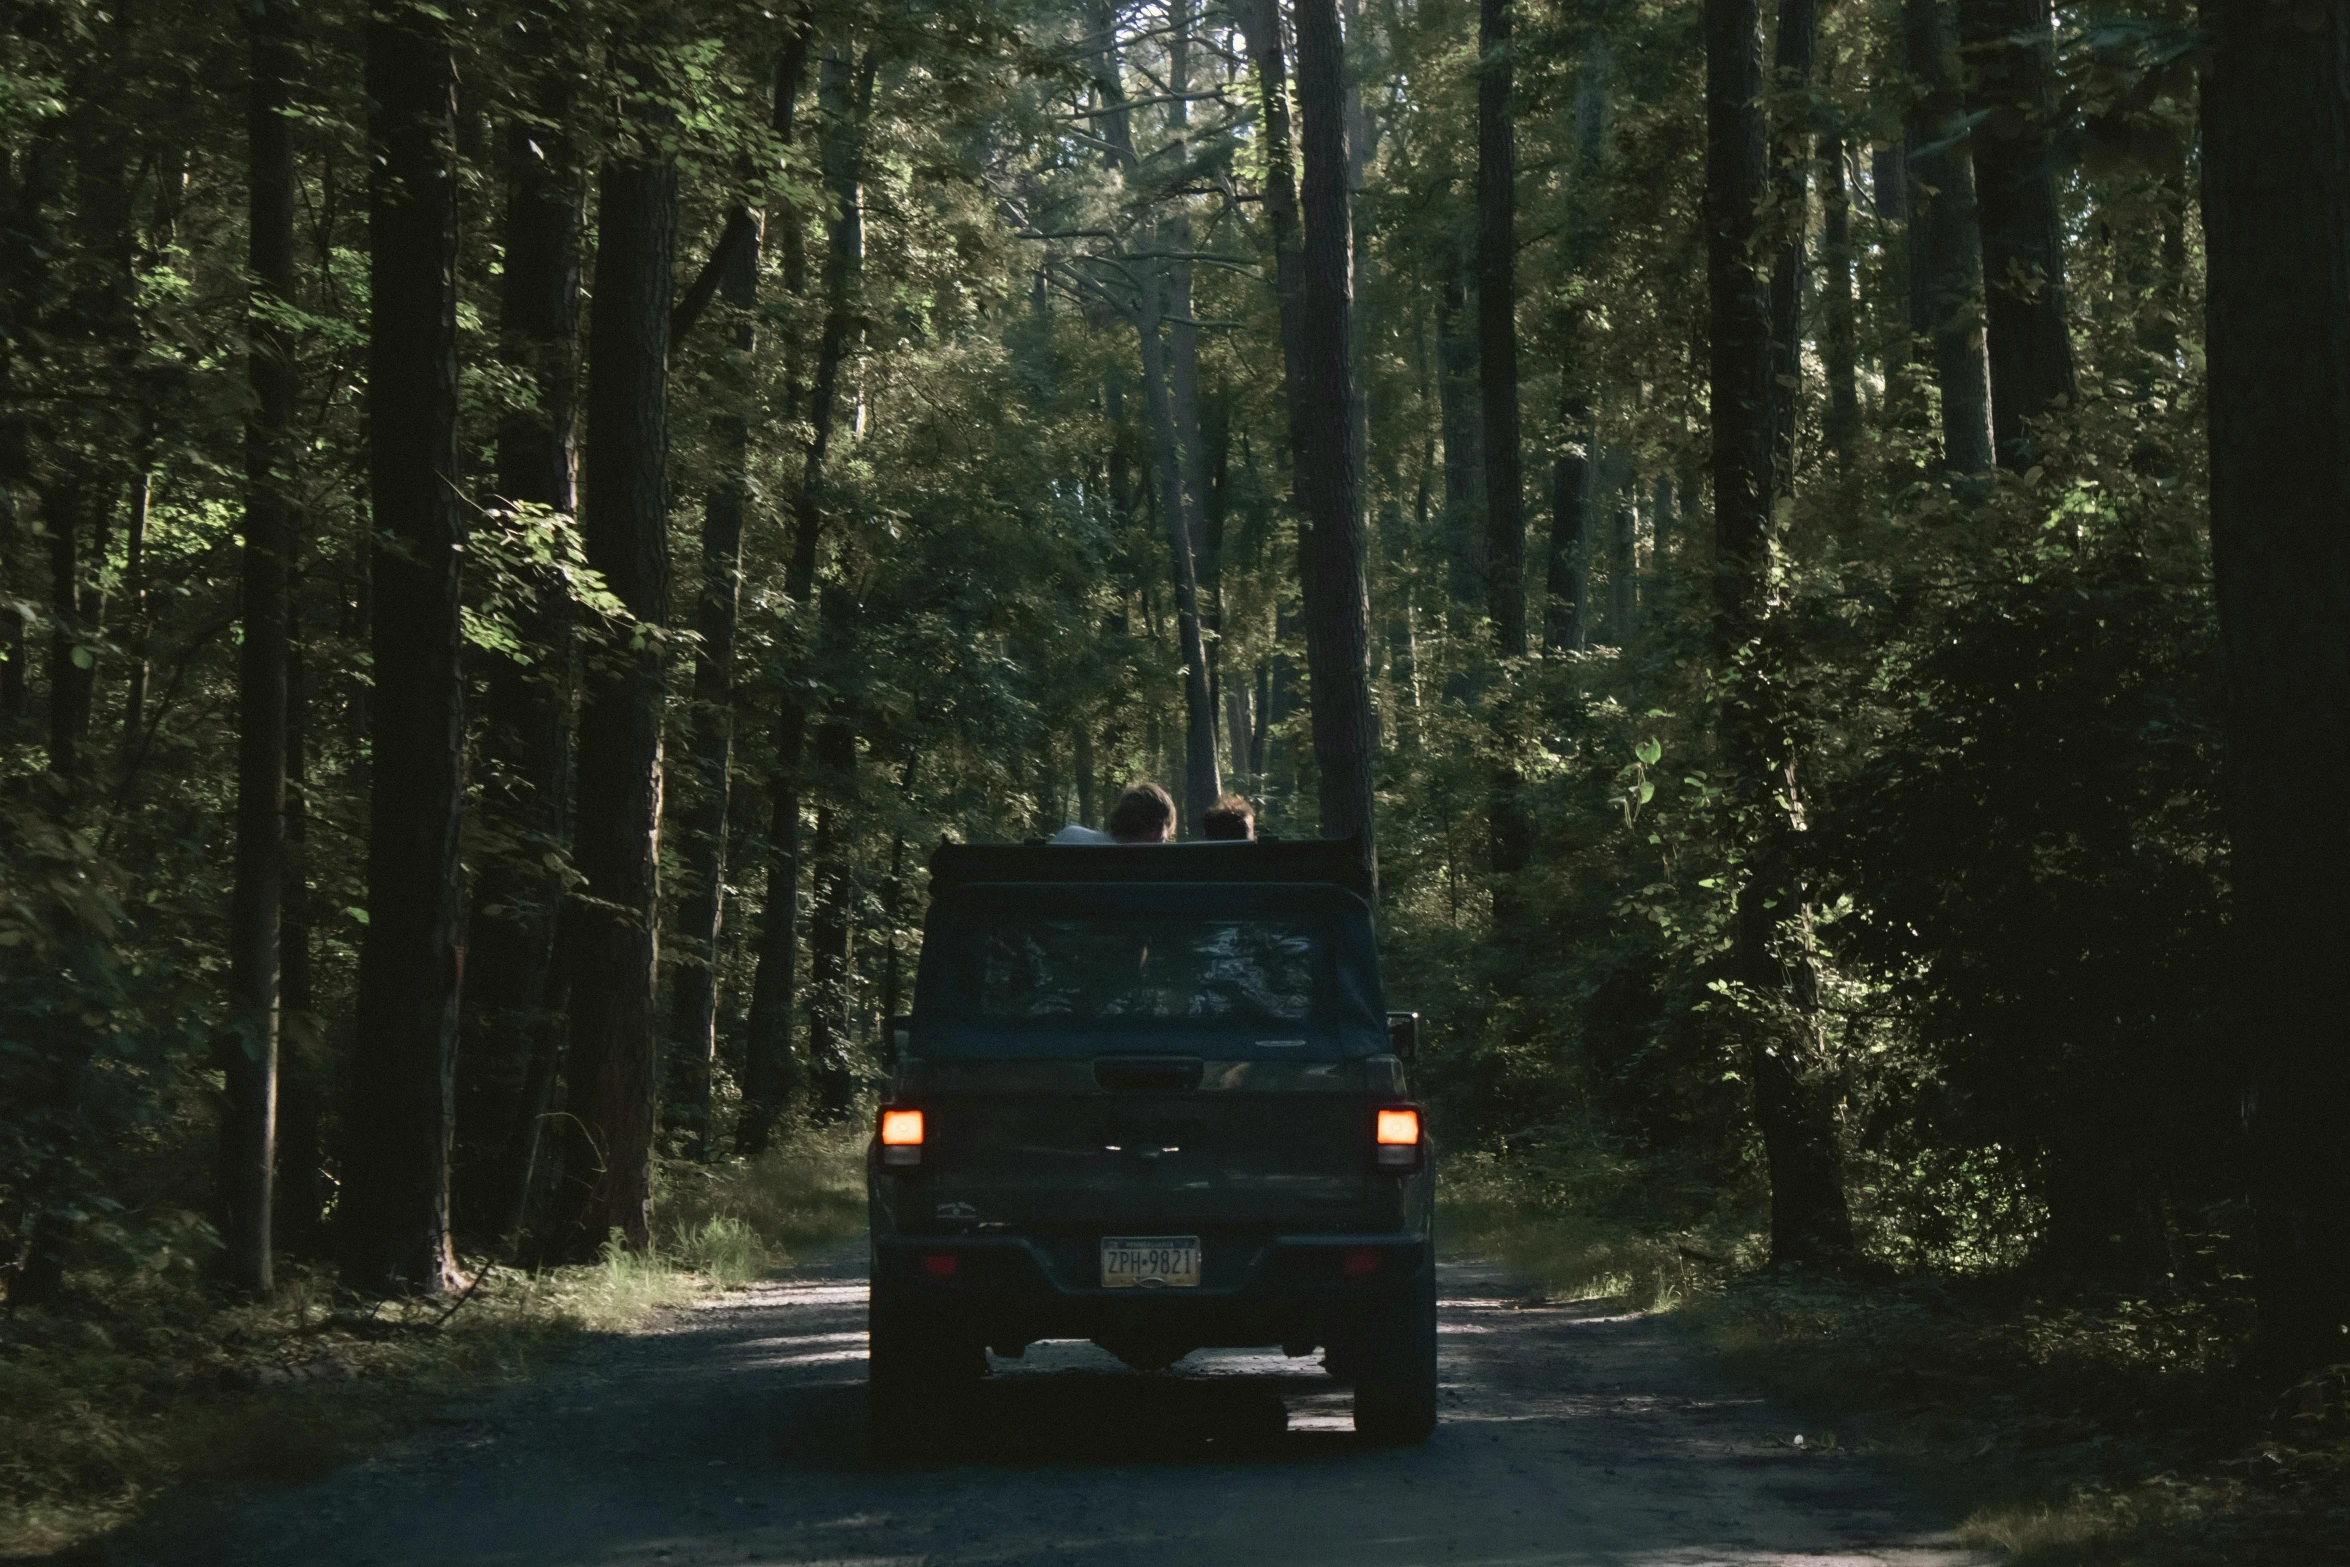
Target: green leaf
(1650, 752)
(83, 658)
(357, 913)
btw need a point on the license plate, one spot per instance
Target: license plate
(1150, 1261)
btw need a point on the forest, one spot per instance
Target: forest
(1812, 539)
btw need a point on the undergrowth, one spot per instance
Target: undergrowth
(137, 1388)
(2068, 1423)
(1585, 1221)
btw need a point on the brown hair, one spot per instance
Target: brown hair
(1145, 813)
(1231, 817)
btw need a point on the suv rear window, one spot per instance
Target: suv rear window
(1156, 969)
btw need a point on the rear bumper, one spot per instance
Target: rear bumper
(1015, 1289)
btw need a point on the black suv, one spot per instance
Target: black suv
(1151, 1096)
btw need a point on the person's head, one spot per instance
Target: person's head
(1230, 818)
(1145, 813)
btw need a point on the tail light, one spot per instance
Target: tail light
(1396, 1138)
(901, 1137)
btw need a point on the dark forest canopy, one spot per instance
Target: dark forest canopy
(519, 526)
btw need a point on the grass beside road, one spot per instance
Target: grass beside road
(143, 1389)
(2069, 1424)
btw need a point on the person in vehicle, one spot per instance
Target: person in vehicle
(1231, 819)
(1145, 813)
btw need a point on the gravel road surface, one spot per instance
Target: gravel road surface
(737, 1434)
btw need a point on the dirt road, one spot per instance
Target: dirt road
(1569, 1437)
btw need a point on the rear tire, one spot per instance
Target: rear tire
(919, 1382)
(1394, 1368)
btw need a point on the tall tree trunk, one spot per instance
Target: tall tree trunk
(770, 1072)
(693, 1021)
(395, 1196)
(1337, 630)
(1462, 423)
(1497, 343)
(1570, 482)
(511, 1037)
(2012, 50)
(1202, 782)
(1200, 464)
(832, 883)
(624, 524)
(304, 1076)
(1497, 385)
(1840, 425)
(1261, 22)
(1790, 199)
(1623, 579)
(1809, 1219)
(249, 1050)
(1181, 472)
(2276, 201)
(171, 181)
(77, 606)
(1945, 242)
(1892, 313)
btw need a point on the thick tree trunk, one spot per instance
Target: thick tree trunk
(1809, 1220)
(2276, 201)
(1945, 242)
(1790, 199)
(1840, 424)
(616, 841)
(511, 1037)
(693, 1023)
(395, 1194)
(249, 1050)
(2013, 54)
(1337, 629)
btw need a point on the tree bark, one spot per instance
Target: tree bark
(1462, 424)
(770, 1072)
(1337, 629)
(1790, 199)
(693, 1023)
(1840, 424)
(395, 1198)
(1945, 241)
(1497, 345)
(613, 1054)
(304, 1074)
(1570, 482)
(2013, 53)
(1809, 1220)
(249, 1050)
(1623, 580)
(77, 608)
(511, 1038)
(1175, 444)
(2276, 199)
